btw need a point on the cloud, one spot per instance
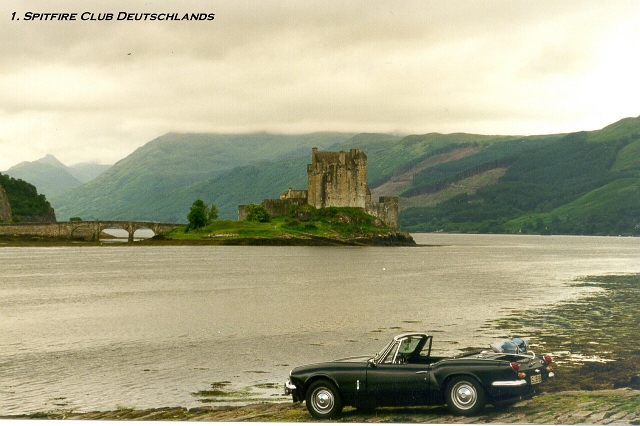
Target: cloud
(88, 90)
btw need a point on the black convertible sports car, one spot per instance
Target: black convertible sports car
(405, 374)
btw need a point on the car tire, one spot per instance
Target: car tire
(465, 396)
(323, 400)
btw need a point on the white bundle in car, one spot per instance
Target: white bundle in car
(513, 346)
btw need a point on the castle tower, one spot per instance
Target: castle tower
(335, 179)
(338, 179)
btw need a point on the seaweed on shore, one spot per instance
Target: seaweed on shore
(220, 393)
(594, 341)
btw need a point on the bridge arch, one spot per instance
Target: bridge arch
(131, 227)
(80, 230)
(88, 230)
(114, 232)
(143, 232)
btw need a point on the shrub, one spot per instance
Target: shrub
(257, 213)
(213, 213)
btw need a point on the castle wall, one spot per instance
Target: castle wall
(294, 194)
(386, 210)
(275, 207)
(242, 212)
(281, 207)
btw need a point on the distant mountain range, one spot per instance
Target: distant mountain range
(578, 183)
(159, 180)
(51, 177)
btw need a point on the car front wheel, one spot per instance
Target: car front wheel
(465, 396)
(323, 400)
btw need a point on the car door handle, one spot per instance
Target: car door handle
(422, 372)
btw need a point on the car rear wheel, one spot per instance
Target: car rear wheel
(323, 400)
(465, 396)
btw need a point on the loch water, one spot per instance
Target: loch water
(96, 328)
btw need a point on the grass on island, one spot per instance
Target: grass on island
(332, 222)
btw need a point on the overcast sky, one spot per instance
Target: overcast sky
(96, 90)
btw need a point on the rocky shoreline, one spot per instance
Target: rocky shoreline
(388, 239)
(616, 406)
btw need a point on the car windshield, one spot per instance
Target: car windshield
(383, 353)
(409, 344)
(398, 348)
(388, 359)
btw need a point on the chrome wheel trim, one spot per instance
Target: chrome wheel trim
(322, 400)
(464, 395)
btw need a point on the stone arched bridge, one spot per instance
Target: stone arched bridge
(89, 230)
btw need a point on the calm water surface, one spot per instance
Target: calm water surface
(93, 328)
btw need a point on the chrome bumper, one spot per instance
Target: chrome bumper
(289, 388)
(510, 383)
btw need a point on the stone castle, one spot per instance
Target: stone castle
(335, 179)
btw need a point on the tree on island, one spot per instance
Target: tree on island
(257, 213)
(200, 215)
(213, 213)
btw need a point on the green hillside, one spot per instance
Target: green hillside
(241, 185)
(250, 184)
(581, 183)
(24, 198)
(389, 155)
(491, 155)
(136, 186)
(612, 209)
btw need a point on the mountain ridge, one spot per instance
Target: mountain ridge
(178, 160)
(52, 177)
(455, 182)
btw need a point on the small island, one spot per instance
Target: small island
(303, 226)
(335, 209)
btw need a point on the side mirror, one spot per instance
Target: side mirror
(372, 363)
